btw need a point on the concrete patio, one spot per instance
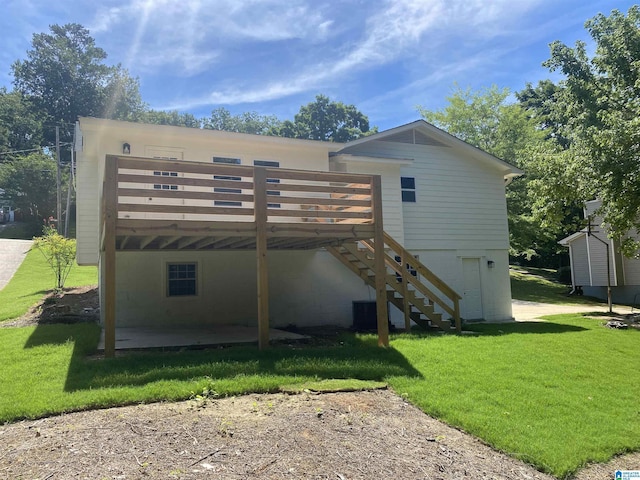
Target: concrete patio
(157, 337)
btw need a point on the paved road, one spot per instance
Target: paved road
(12, 253)
(524, 311)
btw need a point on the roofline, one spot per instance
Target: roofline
(443, 136)
(94, 123)
(574, 236)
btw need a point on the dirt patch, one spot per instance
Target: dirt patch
(73, 305)
(329, 436)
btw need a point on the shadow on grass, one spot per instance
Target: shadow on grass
(523, 328)
(355, 357)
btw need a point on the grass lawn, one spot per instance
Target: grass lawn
(33, 280)
(539, 285)
(557, 394)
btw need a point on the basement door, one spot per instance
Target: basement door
(471, 307)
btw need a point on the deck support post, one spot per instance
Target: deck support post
(110, 196)
(406, 305)
(379, 263)
(260, 206)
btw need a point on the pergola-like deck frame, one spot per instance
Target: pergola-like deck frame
(154, 204)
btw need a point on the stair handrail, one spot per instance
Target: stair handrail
(431, 277)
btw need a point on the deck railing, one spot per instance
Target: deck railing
(182, 190)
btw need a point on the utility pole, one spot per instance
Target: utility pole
(58, 182)
(66, 217)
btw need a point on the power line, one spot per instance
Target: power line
(10, 152)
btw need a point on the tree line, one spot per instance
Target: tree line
(576, 138)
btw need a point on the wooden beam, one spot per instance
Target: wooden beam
(144, 241)
(110, 195)
(260, 192)
(168, 241)
(206, 242)
(185, 242)
(406, 305)
(380, 268)
(124, 242)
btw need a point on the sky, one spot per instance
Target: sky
(386, 57)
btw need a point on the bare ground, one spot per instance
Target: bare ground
(356, 435)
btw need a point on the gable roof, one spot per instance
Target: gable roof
(424, 133)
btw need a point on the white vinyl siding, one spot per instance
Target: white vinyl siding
(580, 262)
(460, 201)
(598, 261)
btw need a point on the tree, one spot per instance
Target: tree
(326, 120)
(29, 181)
(20, 129)
(486, 120)
(175, 118)
(64, 76)
(59, 251)
(248, 122)
(600, 104)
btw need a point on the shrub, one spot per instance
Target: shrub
(59, 251)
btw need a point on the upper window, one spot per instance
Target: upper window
(164, 186)
(181, 279)
(274, 193)
(408, 187)
(227, 203)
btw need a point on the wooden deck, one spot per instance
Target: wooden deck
(154, 204)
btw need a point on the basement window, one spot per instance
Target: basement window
(164, 186)
(226, 203)
(274, 193)
(181, 279)
(408, 188)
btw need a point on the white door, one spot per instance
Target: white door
(471, 306)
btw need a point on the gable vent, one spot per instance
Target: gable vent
(414, 137)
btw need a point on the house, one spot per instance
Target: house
(201, 227)
(592, 253)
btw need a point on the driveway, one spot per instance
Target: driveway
(524, 311)
(12, 253)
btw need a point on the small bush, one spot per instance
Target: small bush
(59, 251)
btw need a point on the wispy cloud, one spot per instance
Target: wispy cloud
(395, 30)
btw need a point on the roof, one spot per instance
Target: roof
(93, 123)
(567, 240)
(440, 136)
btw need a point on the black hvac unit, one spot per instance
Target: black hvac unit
(365, 315)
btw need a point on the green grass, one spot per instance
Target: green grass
(539, 285)
(556, 394)
(33, 280)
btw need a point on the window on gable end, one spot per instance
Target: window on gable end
(227, 203)
(408, 188)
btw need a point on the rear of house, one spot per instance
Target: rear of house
(443, 200)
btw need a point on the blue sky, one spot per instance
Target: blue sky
(272, 56)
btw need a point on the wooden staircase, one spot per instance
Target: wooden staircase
(411, 287)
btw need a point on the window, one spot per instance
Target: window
(411, 270)
(164, 186)
(272, 164)
(408, 187)
(226, 203)
(181, 279)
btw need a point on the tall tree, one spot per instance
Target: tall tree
(65, 76)
(600, 97)
(29, 182)
(173, 117)
(247, 122)
(20, 127)
(486, 120)
(326, 120)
